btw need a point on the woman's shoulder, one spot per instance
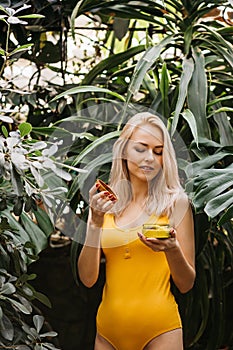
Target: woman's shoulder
(182, 199)
(181, 207)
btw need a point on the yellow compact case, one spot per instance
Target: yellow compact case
(104, 187)
(156, 231)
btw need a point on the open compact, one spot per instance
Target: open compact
(156, 231)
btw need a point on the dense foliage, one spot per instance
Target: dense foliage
(171, 57)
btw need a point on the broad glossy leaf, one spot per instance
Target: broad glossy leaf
(213, 184)
(216, 205)
(25, 129)
(44, 221)
(6, 328)
(42, 298)
(8, 288)
(194, 169)
(227, 216)
(38, 321)
(37, 236)
(19, 306)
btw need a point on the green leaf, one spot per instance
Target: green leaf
(217, 205)
(37, 236)
(4, 131)
(79, 181)
(38, 322)
(189, 117)
(20, 49)
(111, 62)
(8, 288)
(89, 89)
(144, 64)
(225, 48)
(197, 95)
(93, 145)
(187, 71)
(44, 221)
(25, 129)
(194, 169)
(227, 216)
(3, 9)
(47, 131)
(164, 89)
(6, 328)
(211, 184)
(42, 298)
(34, 15)
(19, 306)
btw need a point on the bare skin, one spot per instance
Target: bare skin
(170, 341)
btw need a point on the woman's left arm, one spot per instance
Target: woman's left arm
(181, 254)
(180, 248)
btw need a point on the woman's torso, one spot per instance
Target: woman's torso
(137, 281)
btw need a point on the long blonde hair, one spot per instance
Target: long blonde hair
(165, 188)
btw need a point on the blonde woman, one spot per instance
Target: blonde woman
(138, 310)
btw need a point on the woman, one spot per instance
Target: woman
(138, 310)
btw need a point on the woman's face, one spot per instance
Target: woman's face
(144, 153)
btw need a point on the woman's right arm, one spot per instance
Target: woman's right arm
(89, 258)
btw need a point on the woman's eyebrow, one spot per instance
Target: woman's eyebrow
(145, 144)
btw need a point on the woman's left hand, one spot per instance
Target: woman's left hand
(158, 244)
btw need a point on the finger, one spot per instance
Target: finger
(92, 190)
(173, 233)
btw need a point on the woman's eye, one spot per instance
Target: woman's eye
(158, 153)
(139, 149)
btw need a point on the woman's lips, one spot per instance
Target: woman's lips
(146, 168)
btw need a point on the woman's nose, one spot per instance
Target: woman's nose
(149, 155)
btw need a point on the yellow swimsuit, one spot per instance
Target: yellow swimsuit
(137, 303)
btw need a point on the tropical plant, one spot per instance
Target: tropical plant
(171, 57)
(30, 173)
(184, 73)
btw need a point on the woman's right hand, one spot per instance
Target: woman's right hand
(100, 203)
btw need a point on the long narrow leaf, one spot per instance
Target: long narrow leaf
(189, 117)
(83, 89)
(112, 61)
(187, 71)
(144, 64)
(197, 95)
(95, 144)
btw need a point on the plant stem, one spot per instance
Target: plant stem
(6, 50)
